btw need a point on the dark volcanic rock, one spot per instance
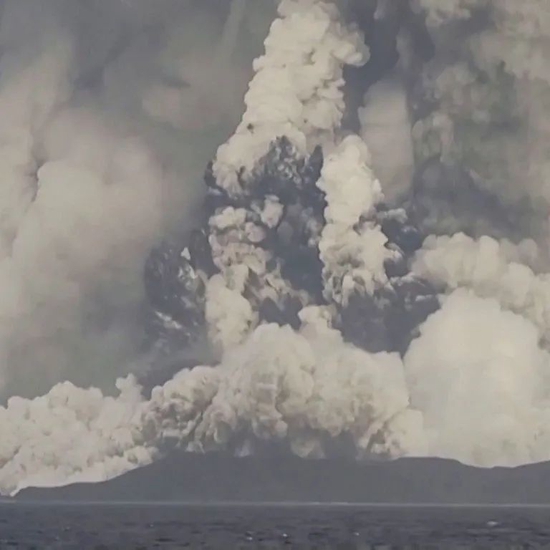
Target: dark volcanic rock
(217, 477)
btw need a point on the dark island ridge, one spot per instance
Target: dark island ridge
(217, 477)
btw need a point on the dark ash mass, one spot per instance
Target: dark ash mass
(175, 277)
(176, 274)
(442, 199)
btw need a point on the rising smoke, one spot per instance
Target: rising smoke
(364, 274)
(110, 111)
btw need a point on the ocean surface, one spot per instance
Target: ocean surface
(142, 526)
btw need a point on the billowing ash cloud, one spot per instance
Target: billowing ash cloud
(366, 275)
(480, 112)
(110, 111)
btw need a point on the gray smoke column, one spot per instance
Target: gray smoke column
(381, 293)
(481, 118)
(110, 111)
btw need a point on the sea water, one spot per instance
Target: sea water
(226, 526)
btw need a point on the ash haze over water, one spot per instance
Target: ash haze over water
(368, 273)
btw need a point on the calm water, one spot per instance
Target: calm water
(121, 527)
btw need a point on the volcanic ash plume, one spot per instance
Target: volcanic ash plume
(380, 294)
(102, 151)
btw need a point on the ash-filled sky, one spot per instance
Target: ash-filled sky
(110, 111)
